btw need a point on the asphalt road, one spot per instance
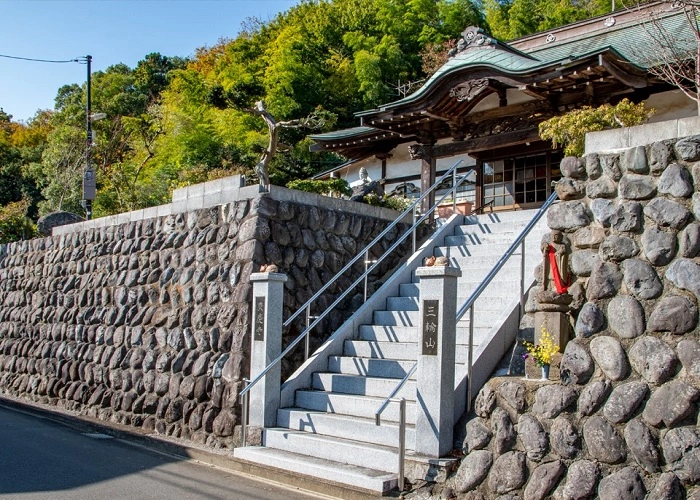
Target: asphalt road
(42, 459)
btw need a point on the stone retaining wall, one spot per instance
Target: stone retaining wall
(147, 323)
(622, 421)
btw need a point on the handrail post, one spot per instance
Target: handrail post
(454, 191)
(366, 274)
(244, 414)
(436, 360)
(522, 279)
(402, 442)
(415, 218)
(307, 339)
(470, 361)
(266, 345)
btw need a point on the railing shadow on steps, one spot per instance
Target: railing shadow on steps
(369, 267)
(467, 306)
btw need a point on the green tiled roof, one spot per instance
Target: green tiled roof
(632, 41)
(344, 133)
(628, 40)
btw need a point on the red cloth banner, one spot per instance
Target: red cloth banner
(560, 286)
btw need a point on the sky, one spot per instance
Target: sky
(112, 32)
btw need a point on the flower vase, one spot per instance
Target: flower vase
(545, 372)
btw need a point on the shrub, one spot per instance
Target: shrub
(570, 129)
(14, 223)
(336, 187)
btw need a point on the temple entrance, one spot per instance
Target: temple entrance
(517, 182)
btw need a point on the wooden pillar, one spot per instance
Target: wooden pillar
(383, 157)
(479, 188)
(424, 153)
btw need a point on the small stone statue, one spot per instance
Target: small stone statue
(364, 176)
(555, 265)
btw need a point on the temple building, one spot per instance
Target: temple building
(484, 105)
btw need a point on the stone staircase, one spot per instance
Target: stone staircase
(328, 428)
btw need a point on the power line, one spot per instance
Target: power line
(41, 60)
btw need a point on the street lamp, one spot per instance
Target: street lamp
(89, 180)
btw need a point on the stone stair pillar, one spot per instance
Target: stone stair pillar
(436, 360)
(266, 345)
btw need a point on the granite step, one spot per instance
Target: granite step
(358, 477)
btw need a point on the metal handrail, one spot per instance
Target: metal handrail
(399, 386)
(402, 422)
(376, 240)
(369, 269)
(469, 304)
(482, 208)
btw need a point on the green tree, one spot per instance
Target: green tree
(570, 129)
(14, 222)
(509, 19)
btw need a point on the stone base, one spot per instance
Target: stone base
(418, 467)
(534, 372)
(558, 326)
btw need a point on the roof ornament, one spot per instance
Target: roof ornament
(551, 38)
(469, 90)
(473, 36)
(610, 22)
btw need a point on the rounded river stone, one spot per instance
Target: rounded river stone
(603, 441)
(617, 248)
(576, 365)
(581, 480)
(513, 393)
(532, 436)
(627, 217)
(667, 487)
(478, 435)
(625, 484)
(676, 181)
(667, 213)
(610, 356)
(593, 168)
(603, 210)
(473, 470)
(641, 279)
(626, 316)
(591, 319)
(637, 187)
(624, 401)
(685, 274)
(568, 215)
(689, 354)
(653, 359)
(543, 479)
(503, 433)
(642, 446)
(551, 400)
(509, 472)
(605, 281)
(675, 314)
(671, 404)
(659, 245)
(563, 438)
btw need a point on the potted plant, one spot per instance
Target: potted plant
(543, 352)
(446, 209)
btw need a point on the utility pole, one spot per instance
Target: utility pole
(89, 182)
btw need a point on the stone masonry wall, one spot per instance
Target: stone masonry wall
(147, 323)
(621, 421)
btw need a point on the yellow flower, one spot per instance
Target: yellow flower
(542, 353)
